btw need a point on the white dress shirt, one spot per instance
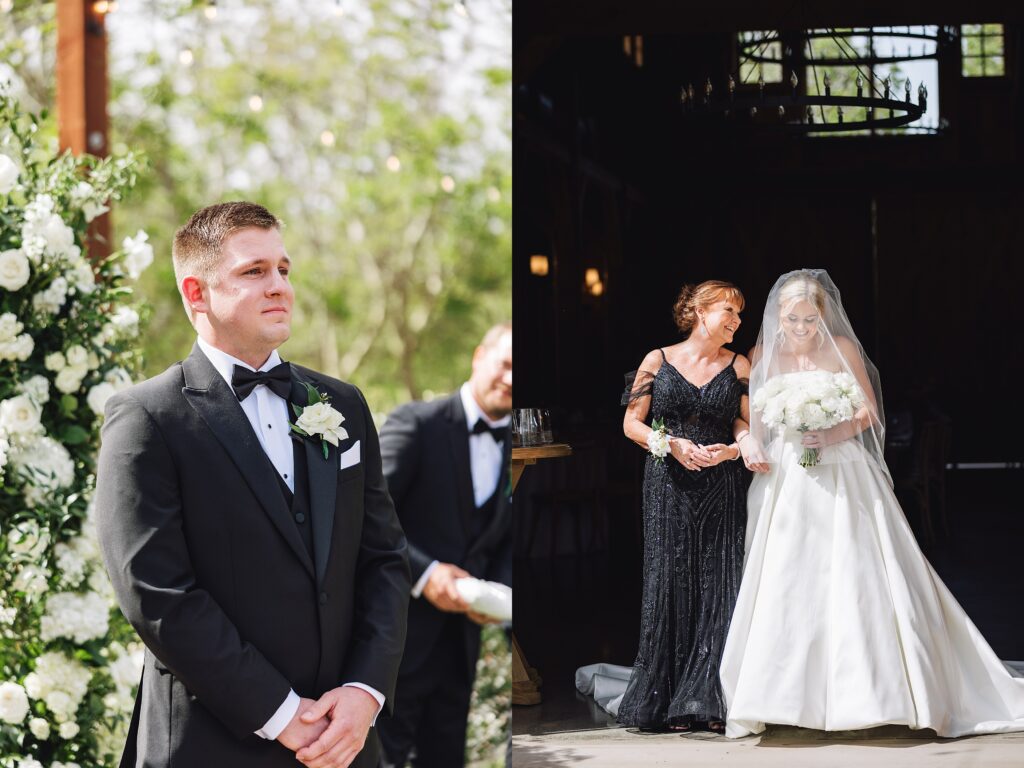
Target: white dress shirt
(484, 463)
(268, 415)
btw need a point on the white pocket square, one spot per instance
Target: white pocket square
(350, 457)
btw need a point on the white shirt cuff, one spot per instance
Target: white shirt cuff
(373, 692)
(273, 727)
(417, 588)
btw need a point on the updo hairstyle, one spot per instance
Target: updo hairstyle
(691, 298)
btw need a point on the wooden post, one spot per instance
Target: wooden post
(82, 92)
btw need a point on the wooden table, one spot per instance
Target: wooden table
(526, 681)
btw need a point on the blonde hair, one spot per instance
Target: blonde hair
(691, 298)
(801, 287)
(197, 245)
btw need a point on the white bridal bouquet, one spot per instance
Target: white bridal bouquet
(808, 402)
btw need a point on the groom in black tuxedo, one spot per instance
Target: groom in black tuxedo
(447, 467)
(265, 571)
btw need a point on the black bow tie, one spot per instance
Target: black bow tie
(278, 379)
(481, 426)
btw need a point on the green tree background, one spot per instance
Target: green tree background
(379, 131)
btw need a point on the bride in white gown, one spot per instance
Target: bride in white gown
(841, 623)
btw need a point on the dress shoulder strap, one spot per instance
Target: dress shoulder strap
(734, 356)
(663, 358)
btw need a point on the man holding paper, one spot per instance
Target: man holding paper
(447, 469)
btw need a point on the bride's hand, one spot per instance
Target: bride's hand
(720, 452)
(753, 455)
(689, 454)
(822, 438)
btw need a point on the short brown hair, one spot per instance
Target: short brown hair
(197, 245)
(703, 295)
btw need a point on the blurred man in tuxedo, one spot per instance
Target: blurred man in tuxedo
(447, 468)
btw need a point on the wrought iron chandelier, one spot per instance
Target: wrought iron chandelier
(800, 111)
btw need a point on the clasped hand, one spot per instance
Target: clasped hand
(694, 456)
(822, 438)
(330, 732)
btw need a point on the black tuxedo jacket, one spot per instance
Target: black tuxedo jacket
(209, 567)
(425, 450)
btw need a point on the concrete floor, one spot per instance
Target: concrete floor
(785, 747)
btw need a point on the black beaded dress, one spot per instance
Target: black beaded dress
(694, 524)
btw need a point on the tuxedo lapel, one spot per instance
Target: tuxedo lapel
(323, 483)
(215, 402)
(458, 434)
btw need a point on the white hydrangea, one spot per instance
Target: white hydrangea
(44, 232)
(126, 668)
(44, 464)
(78, 617)
(81, 275)
(40, 728)
(8, 174)
(20, 415)
(59, 681)
(8, 615)
(13, 703)
(33, 580)
(51, 299)
(125, 321)
(119, 377)
(70, 563)
(12, 345)
(14, 269)
(29, 762)
(138, 254)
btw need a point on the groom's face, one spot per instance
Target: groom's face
(250, 297)
(491, 380)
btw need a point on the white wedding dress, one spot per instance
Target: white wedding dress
(841, 623)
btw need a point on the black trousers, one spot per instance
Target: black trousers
(431, 707)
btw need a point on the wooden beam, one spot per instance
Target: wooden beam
(82, 93)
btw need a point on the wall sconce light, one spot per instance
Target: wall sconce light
(592, 282)
(539, 265)
(103, 7)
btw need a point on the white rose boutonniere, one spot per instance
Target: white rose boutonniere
(319, 418)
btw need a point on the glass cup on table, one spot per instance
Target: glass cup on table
(525, 427)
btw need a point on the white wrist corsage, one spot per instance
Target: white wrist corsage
(319, 418)
(658, 440)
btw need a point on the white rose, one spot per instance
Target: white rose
(38, 388)
(92, 209)
(125, 320)
(55, 361)
(69, 380)
(14, 269)
(26, 538)
(99, 395)
(82, 276)
(138, 254)
(20, 415)
(119, 377)
(61, 704)
(8, 174)
(29, 762)
(13, 703)
(77, 356)
(21, 348)
(68, 730)
(40, 728)
(322, 419)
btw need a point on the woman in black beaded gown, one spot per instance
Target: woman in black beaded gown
(694, 512)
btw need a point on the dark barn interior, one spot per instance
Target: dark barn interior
(628, 194)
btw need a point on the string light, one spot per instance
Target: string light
(393, 163)
(6, 5)
(338, 9)
(100, 7)
(186, 57)
(327, 139)
(448, 184)
(461, 9)
(539, 265)
(494, 194)
(210, 11)
(255, 103)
